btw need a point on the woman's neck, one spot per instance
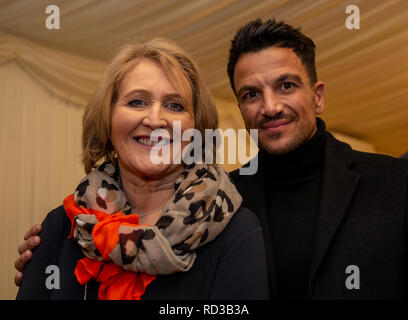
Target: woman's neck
(148, 196)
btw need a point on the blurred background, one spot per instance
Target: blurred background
(47, 77)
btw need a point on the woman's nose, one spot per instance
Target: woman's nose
(155, 117)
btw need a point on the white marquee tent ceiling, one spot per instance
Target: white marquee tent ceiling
(365, 70)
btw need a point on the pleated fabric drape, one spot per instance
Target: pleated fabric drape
(69, 76)
(39, 159)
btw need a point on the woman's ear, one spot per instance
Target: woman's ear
(318, 91)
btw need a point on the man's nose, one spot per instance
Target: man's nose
(155, 117)
(272, 104)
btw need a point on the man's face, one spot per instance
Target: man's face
(275, 96)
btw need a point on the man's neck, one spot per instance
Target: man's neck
(305, 161)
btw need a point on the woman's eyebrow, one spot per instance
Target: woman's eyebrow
(173, 96)
(131, 92)
(148, 93)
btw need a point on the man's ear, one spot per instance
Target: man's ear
(318, 90)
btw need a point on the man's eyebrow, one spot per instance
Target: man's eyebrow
(283, 77)
(245, 88)
(289, 76)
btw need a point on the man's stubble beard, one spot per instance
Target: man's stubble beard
(273, 146)
(297, 140)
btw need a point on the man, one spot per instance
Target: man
(334, 219)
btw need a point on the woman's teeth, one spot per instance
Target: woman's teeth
(148, 142)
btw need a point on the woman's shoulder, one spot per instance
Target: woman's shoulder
(56, 221)
(57, 215)
(243, 228)
(241, 270)
(56, 249)
(244, 221)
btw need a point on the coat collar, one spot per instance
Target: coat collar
(339, 183)
(252, 188)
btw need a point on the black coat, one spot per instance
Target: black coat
(232, 266)
(362, 221)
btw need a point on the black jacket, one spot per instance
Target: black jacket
(362, 221)
(232, 266)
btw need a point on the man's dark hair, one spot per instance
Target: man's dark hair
(257, 35)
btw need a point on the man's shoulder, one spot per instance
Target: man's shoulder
(382, 168)
(341, 151)
(377, 161)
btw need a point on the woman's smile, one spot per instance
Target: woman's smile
(148, 142)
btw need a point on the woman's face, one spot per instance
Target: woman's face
(147, 100)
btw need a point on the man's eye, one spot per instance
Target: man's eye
(250, 95)
(175, 106)
(287, 85)
(136, 103)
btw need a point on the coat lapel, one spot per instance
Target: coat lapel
(252, 186)
(339, 184)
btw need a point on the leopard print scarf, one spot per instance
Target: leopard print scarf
(204, 201)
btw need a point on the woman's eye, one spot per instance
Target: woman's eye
(136, 103)
(175, 106)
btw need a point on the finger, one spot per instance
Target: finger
(34, 231)
(18, 278)
(20, 263)
(29, 244)
(22, 247)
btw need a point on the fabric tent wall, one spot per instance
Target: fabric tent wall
(43, 92)
(39, 159)
(69, 76)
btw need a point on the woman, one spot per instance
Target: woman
(135, 229)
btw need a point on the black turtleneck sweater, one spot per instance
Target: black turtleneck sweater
(293, 185)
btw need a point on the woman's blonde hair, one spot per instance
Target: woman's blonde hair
(182, 71)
